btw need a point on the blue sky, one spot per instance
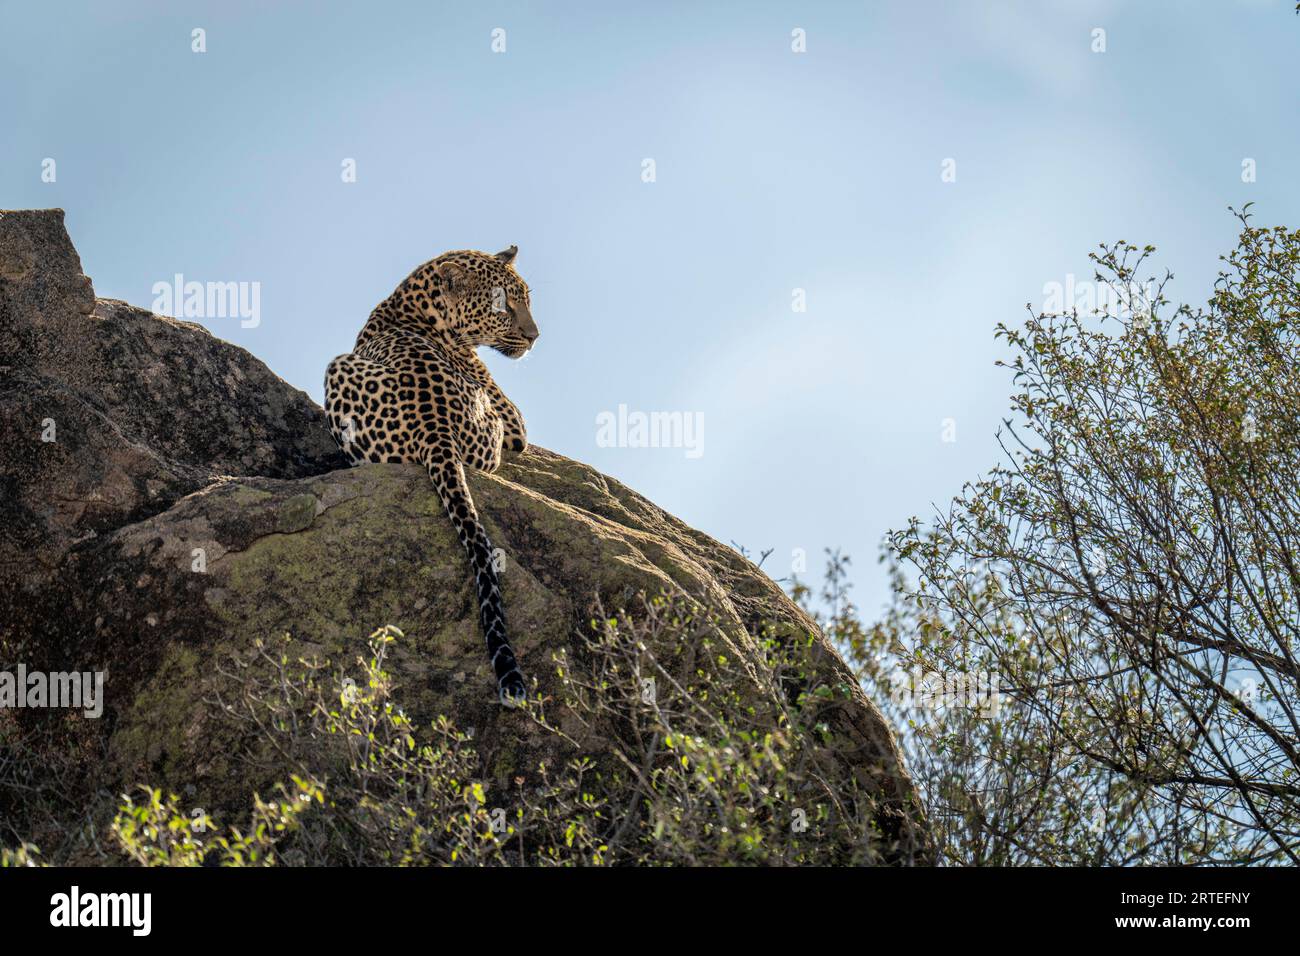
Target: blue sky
(775, 171)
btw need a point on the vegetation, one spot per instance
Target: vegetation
(703, 762)
(1127, 579)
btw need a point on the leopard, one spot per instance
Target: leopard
(415, 390)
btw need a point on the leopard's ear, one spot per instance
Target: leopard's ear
(451, 276)
(508, 255)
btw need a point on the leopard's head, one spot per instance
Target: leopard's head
(477, 298)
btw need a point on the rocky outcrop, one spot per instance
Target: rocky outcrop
(111, 413)
(190, 500)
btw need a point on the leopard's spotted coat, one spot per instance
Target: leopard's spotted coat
(413, 389)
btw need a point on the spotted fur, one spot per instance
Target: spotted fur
(413, 389)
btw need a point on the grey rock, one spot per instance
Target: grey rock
(191, 502)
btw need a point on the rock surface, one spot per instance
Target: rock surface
(136, 410)
(127, 543)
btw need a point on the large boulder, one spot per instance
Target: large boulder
(190, 501)
(110, 413)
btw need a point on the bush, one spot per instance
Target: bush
(1128, 577)
(703, 760)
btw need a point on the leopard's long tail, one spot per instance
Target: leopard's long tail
(449, 478)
